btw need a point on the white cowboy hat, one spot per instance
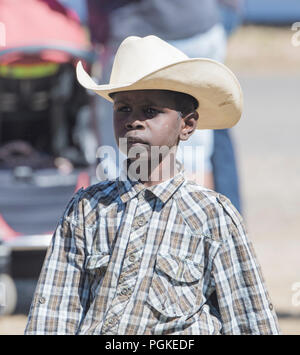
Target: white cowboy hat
(151, 63)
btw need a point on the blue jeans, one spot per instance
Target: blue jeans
(225, 168)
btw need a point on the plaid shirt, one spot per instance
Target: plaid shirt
(170, 259)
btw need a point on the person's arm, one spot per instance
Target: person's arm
(244, 303)
(61, 296)
(99, 12)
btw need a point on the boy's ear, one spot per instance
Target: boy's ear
(189, 124)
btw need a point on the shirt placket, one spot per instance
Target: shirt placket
(130, 268)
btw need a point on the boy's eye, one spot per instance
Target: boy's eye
(123, 109)
(151, 112)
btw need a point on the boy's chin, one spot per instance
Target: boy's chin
(143, 157)
(140, 152)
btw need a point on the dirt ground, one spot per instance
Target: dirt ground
(267, 145)
(263, 50)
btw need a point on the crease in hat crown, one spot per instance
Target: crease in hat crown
(137, 57)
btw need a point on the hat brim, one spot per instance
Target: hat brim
(211, 83)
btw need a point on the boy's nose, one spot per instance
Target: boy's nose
(134, 124)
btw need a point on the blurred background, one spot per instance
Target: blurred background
(49, 131)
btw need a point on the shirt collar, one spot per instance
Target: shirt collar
(165, 190)
(129, 189)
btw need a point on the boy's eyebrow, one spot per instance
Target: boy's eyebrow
(144, 103)
(119, 101)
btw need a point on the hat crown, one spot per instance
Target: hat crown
(138, 57)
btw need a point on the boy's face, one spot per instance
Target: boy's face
(148, 118)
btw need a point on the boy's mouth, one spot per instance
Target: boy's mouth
(135, 141)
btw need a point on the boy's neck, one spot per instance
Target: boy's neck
(154, 172)
(165, 170)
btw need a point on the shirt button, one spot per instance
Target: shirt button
(271, 306)
(111, 321)
(124, 291)
(141, 221)
(42, 300)
(132, 258)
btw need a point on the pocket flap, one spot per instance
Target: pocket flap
(179, 269)
(96, 261)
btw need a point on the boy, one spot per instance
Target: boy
(152, 253)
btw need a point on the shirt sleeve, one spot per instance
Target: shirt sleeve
(244, 303)
(61, 296)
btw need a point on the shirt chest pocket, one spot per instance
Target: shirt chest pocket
(96, 266)
(96, 262)
(175, 289)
